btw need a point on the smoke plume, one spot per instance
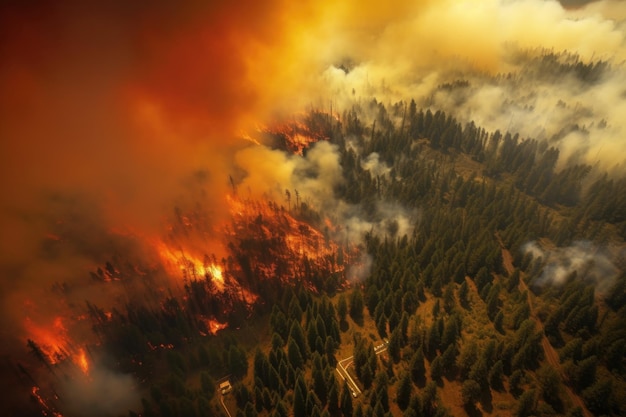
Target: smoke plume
(101, 393)
(587, 261)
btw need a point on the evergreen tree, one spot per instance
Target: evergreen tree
(550, 384)
(417, 367)
(207, 384)
(346, 401)
(395, 345)
(598, 396)
(294, 355)
(436, 369)
(495, 375)
(342, 308)
(403, 395)
(299, 401)
(526, 404)
(333, 397)
(297, 335)
(463, 294)
(237, 361)
(356, 305)
(470, 393)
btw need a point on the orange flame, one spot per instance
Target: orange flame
(46, 409)
(53, 341)
(190, 266)
(81, 361)
(215, 326)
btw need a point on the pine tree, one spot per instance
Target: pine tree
(342, 308)
(470, 392)
(495, 375)
(356, 305)
(395, 345)
(526, 404)
(294, 355)
(405, 387)
(346, 401)
(436, 369)
(299, 400)
(417, 367)
(207, 384)
(463, 294)
(297, 335)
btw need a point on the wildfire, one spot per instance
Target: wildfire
(215, 326)
(275, 241)
(46, 409)
(191, 266)
(54, 344)
(296, 135)
(81, 361)
(52, 341)
(216, 272)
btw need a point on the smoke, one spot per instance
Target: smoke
(100, 393)
(269, 173)
(106, 111)
(496, 48)
(360, 269)
(373, 164)
(587, 261)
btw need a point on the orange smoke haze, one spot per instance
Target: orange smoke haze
(123, 102)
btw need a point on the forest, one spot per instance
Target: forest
(505, 296)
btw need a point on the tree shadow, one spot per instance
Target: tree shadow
(556, 404)
(358, 320)
(343, 325)
(420, 382)
(486, 400)
(451, 372)
(472, 410)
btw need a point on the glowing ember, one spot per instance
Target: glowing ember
(46, 409)
(215, 326)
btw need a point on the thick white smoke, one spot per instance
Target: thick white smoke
(590, 263)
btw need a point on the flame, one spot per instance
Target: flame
(301, 132)
(215, 326)
(289, 240)
(81, 361)
(53, 341)
(190, 266)
(55, 344)
(216, 272)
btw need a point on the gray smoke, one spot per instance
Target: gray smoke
(591, 263)
(100, 393)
